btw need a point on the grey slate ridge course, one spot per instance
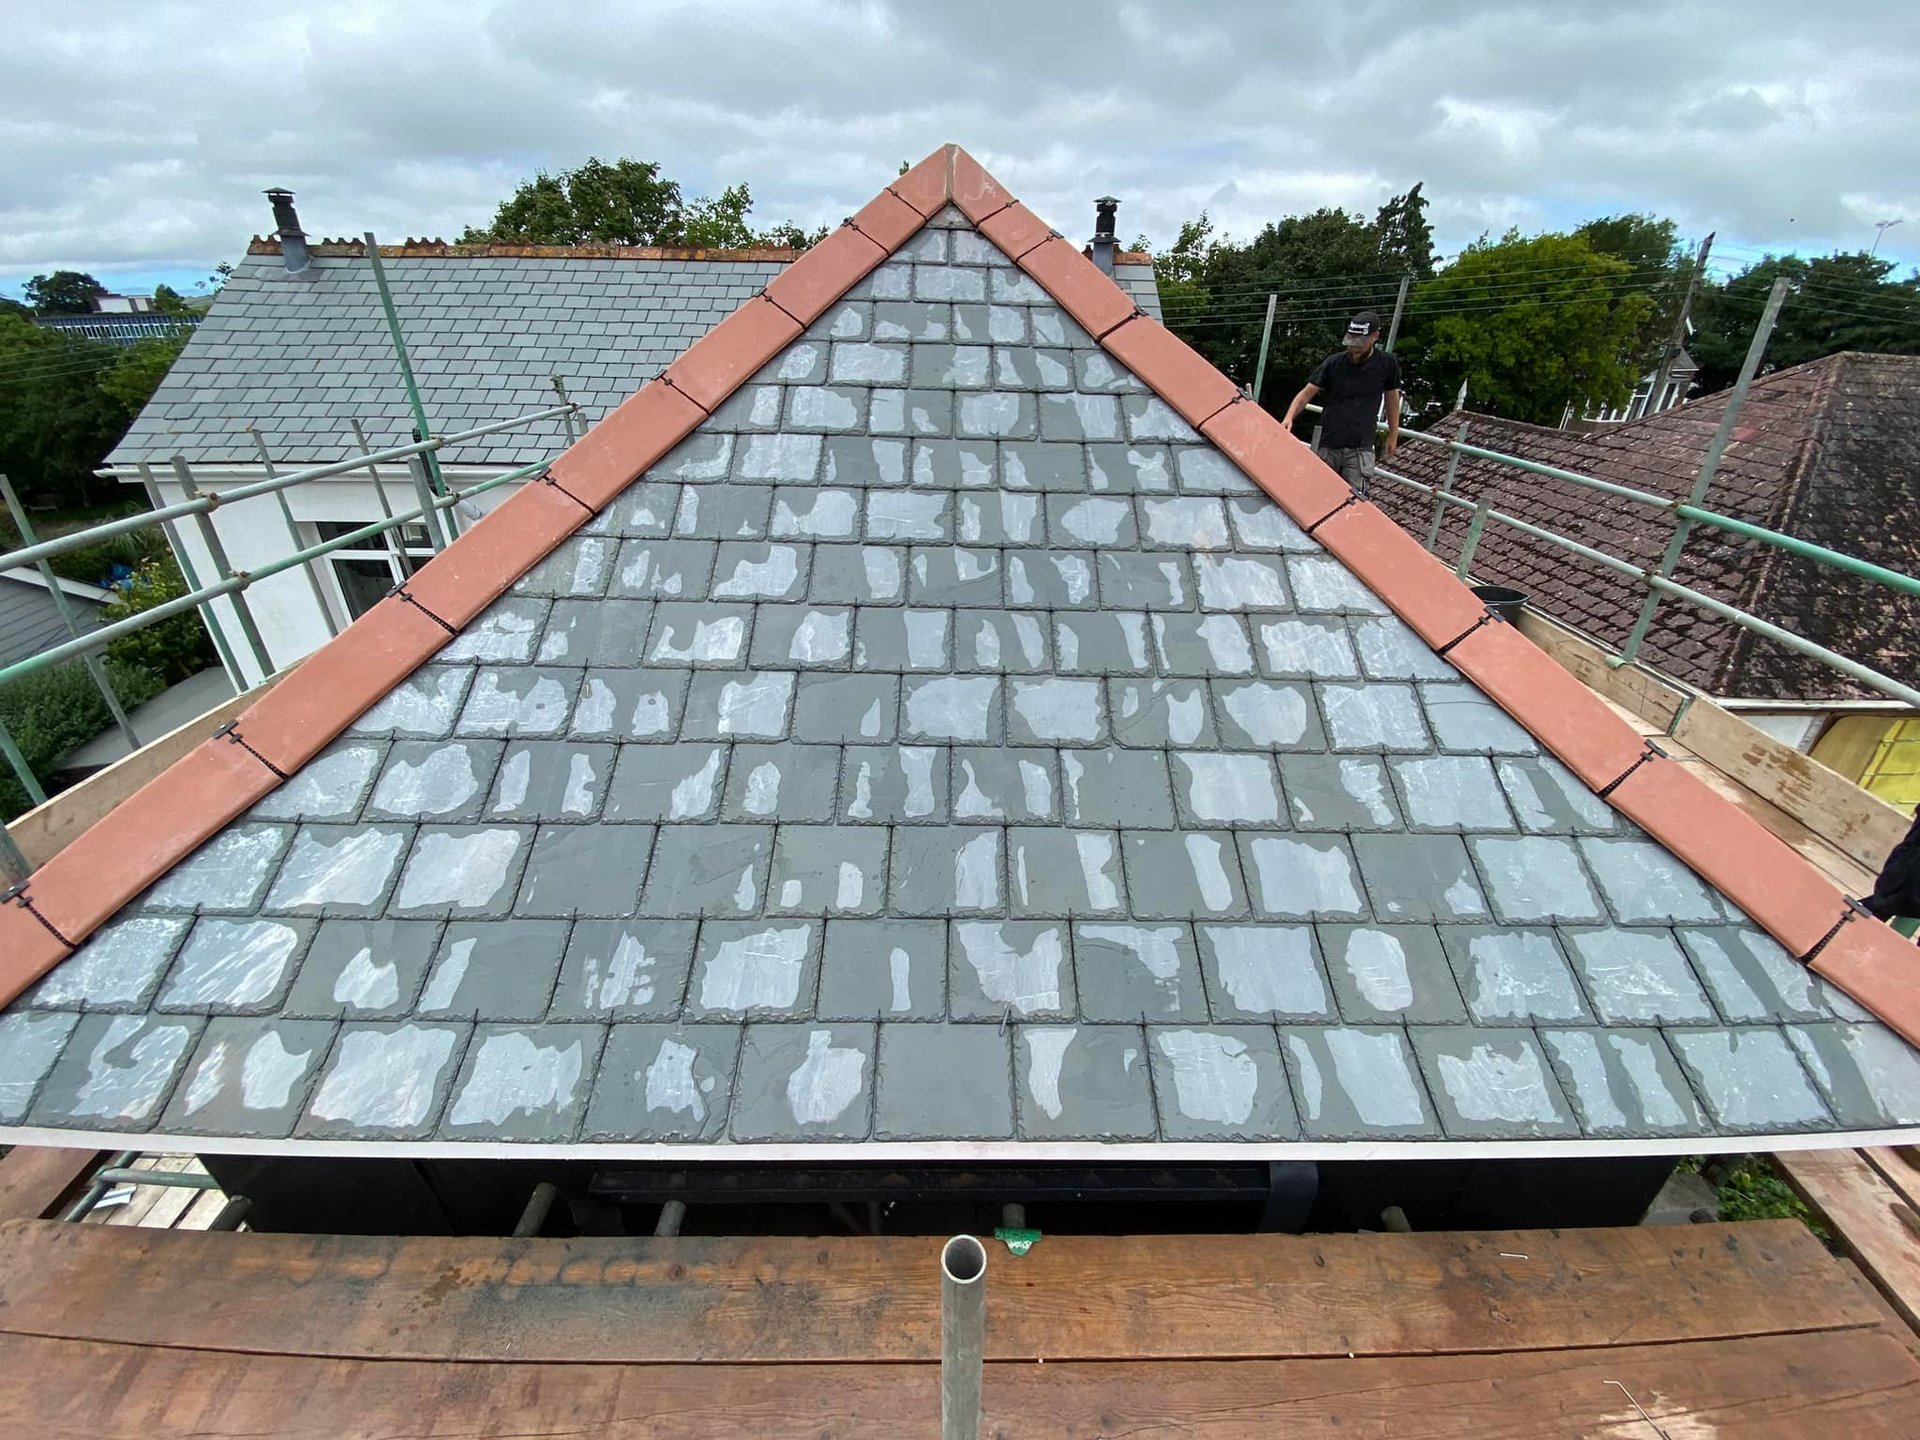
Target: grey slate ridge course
(944, 746)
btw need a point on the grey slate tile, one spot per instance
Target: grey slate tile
(1264, 972)
(226, 875)
(526, 1083)
(1188, 875)
(666, 782)
(1532, 878)
(890, 785)
(1750, 976)
(630, 705)
(781, 783)
(1548, 798)
(1492, 1084)
(858, 575)
(596, 633)
(1114, 788)
(233, 967)
(1343, 793)
(584, 870)
(30, 1043)
(249, 1077)
(362, 969)
(804, 1082)
(964, 708)
(1004, 783)
(1514, 977)
(1137, 579)
(1000, 642)
(115, 1072)
(434, 780)
(997, 517)
(883, 970)
(715, 870)
(1643, 883)
(1623, 1082)
(734, 705)
(551, 780)
(1226, 1083)
(1307, 647)
(1267, 715)
(1637, 977)
(1305, 877)
(1391, 974)
(663, 1082)
(890, 639)
(519, 701)
(1017, 969)
(1869, 1076)
(461, 871)
(828, 870)
(1750, 1079)
(1465, 720)
(944, 1082)
(503, 635)
(1149, 973)
(493, 970)
(117, 969)
(332, 786)
(946, 872)
(1059, 872)
(1357, 1083)
(384, 1082)
(833, 709)
(1083, 1082)
(624, 970)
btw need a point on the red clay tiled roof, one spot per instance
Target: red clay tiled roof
(85, 884)
(1825, 451)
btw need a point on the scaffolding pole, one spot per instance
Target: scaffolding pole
(421, 429)
(293, 530)
(223, 569)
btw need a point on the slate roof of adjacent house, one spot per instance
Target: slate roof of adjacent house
(1825, 451)
(487, 329)
(903, 747)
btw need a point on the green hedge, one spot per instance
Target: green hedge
(53, 712)
(173, 649)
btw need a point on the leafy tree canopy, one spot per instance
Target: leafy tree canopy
(1839, 302)
(1657, 268)
(628, 202)
(64, 292)
(1531, 325)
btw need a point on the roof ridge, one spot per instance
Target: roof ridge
(85, 884)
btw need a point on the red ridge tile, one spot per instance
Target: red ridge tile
(1078, 287)
(1786, 894)
(1391, 563)
(713, 367)
(1172, 367)
(1277, 462)
(1560, 712)
(1878, 967)
(470, 574)
(149, 832)
(612, 455)
(976, 192)
(1016, 230)
(28, 950)
(928, 186)
(824, 273)
(333, 686)
(888, 221)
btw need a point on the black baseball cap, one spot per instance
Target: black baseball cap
(1365, 323)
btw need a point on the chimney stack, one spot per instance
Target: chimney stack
(1104, 241)
(286, 229)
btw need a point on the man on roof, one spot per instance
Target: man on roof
(1354, 382)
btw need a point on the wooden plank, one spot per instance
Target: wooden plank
(1862, 826)
(1900, 1168)
(769, 1300)
(46, 830)
(1841, 868)
(1870, 1219)
(37, 1181)
(1856, 1386)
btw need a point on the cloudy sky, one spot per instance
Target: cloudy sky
(138, 136)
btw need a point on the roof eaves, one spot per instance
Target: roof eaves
(1780, 889)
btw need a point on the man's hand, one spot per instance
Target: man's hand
(1393, 443)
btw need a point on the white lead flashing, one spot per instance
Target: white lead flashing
(961, 1152)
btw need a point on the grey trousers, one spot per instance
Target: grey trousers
(1355, 466)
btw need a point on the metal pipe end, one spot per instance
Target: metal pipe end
(963, 1260)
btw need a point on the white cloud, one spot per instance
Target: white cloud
(140, 135)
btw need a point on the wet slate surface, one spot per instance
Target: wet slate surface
(942, 744)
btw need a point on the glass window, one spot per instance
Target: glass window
(366, 573)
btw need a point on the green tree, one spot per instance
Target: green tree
(56, 422)
(627, 203)
(1406, 239)
(64, 292)
(136, 374)
(169, 301)
(1657, 268)
(1839, 302)
(10, 306)
(1531, 325)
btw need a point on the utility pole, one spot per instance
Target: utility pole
(1266, 337)
(1399, 309)
(1880, 228)
(1679, 337)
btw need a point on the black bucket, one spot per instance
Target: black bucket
(1504, 603)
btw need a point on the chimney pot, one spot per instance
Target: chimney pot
(1104, 241)
(286, 229)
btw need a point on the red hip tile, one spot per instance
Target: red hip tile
(712, 368)
(1185, 381)
(155, 828)
(1786, 895)
(1078, 287)
(1277, 462)
(888, 221)
(1560, 712)
(927, 186)
(823, 274)
(1016, 230)
(1880, 968)
(333, 686)
(28, 950)
(612, 455)
(1391, 563)
(470, 574)
(976, 192)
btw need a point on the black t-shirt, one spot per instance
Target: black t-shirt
(1350, 396)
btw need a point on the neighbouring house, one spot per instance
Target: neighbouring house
(119, 327)
(1826, 451)
(30, 618)
(863, 747)
(1678, 385)
(296, 349)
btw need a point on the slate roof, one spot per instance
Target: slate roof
(1825, 451)
(487, 329)
(944, 749)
